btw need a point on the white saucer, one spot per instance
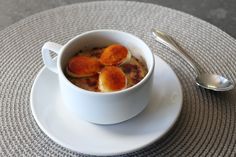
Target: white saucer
(84, 137)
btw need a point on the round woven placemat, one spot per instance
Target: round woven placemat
(207, 124)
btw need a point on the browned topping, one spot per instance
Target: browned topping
(86, 71)
(82, 66)
(114, 55)
(112, 78)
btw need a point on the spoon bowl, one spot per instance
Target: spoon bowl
(205, 80)
(214, 82)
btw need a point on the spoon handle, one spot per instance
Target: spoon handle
(168, 41)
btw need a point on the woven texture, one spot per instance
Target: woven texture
(207, 124)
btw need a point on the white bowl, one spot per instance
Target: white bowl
(98, 107)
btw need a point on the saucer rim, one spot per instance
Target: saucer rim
(55, 139)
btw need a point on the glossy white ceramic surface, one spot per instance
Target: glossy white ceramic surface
(68, 130)
(97, 107)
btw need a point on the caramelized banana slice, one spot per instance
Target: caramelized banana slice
(82, 66)
(115, 55)
(112, 79)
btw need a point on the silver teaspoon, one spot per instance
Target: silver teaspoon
(208, 81)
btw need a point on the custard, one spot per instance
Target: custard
(108, 69)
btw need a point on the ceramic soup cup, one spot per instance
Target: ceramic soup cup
(99, 107)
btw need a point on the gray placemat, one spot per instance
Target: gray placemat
(207, 124)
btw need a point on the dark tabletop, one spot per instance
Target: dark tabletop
(221, 13)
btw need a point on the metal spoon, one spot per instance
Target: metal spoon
(209, 81)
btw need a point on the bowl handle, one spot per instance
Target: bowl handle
(48, 61)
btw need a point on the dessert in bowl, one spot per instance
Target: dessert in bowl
(108, 69)
(113, 100)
